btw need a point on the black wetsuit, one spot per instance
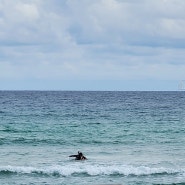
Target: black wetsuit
(79, 156)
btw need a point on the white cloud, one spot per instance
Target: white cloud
(27, 11)
(99, 39)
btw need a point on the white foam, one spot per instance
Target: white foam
(90, 169)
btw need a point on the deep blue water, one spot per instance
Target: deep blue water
(128, 137)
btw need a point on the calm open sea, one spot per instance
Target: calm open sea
(128, 137)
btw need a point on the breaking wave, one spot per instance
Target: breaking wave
(89, 170)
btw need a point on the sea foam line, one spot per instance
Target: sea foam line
(91, 170)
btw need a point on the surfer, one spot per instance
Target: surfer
(79, 156)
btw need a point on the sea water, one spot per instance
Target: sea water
(128, 137)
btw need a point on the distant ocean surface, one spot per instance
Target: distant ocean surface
(129, 138)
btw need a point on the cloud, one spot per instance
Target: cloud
(28, 12)
(121, 21)
(85, 39)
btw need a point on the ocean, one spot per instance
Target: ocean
(129, 138)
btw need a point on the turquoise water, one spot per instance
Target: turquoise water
(128, 137)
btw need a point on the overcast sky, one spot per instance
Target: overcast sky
(92, 44)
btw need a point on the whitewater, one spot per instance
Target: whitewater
(91, 170)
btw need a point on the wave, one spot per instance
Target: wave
(89, 170)
(58, 141)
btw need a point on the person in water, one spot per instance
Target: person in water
(79, 156)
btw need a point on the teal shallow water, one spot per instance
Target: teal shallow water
(128, 137)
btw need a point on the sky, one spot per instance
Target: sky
(92, 44)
